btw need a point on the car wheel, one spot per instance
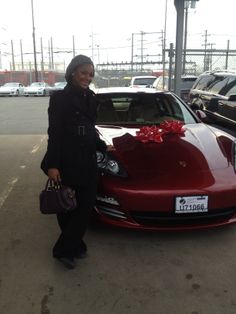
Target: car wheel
(17, 93)
(44, 93)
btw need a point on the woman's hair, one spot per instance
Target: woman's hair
(74, 64)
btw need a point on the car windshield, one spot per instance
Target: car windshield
(11, 84)
(141, 109)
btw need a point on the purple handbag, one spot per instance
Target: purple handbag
(57, 198)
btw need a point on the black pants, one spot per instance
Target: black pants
(74, 224)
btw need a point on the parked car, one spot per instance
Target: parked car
(215, 93)
(57, 86)
(37, 89)
(142, 81)
(12, 89)
(168, 169)
(187, 81)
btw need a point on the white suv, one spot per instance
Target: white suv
(142, 81)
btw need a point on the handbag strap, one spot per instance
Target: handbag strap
(51, 184)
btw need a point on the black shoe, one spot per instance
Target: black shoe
(81, 252)
(67, 262)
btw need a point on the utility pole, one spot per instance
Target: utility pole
(34, 44)
(73, 42)
(21, 53)
(206, 59)
(92, 44)
(227, 56)
(132, 52)
(142, 33)
(52, 54)
(141, 55)
(210, 56)
(12, 55)
(98, 52)
(49, 56)
(42, 59)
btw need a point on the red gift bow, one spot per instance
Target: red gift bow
(155, 133)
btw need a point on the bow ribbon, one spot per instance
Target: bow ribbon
(156, 133)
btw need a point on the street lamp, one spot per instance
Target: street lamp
(34, 45)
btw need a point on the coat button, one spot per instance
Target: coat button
(77, 112)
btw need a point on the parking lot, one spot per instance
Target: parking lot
(125, 271)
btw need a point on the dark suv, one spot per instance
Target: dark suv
(215, 93)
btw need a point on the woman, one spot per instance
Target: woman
(71, 154)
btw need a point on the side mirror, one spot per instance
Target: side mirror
(201, 115)
(194, 107)
(232, 98)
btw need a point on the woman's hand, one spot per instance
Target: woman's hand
(54, 174)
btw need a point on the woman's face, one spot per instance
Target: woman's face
(83, 76)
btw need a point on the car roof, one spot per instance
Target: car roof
(219, 72)
(144, 76)
(130, 90)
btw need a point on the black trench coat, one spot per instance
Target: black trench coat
(72, 137)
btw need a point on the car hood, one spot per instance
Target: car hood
(197, 150)
(34, 87)
(7, 88)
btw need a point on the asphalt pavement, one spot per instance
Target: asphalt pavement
(125, 272)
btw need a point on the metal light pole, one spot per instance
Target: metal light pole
(186, 6)
(34, 45)
(164, 43)
(179, 5)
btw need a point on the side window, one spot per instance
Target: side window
(229, 89)
(203, 82)
(232, 91)
(217, 86)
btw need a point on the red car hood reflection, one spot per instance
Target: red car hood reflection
(197, 150)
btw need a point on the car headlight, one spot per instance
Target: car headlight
(101, 160)
(234, 155)
(108, 164)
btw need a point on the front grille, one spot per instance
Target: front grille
(167, 219)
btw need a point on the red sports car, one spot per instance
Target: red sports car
(168, 169)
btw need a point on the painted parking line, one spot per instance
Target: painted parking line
(4, 195)
(37, 146)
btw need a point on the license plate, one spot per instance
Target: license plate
(191, 204)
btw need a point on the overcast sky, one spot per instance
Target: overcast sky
(112, 24)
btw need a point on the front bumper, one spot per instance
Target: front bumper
(10, 93)
(35, 93)
(155, 210)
